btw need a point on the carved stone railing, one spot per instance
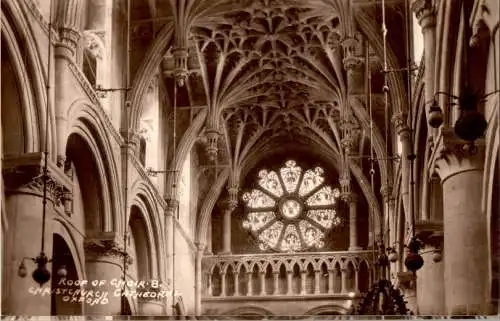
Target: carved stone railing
(278, 275)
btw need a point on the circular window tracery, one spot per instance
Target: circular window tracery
(291, 209)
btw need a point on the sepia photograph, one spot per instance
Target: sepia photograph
(249, 159)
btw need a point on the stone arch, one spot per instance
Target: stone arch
(62, 257)
(21, 63)
(146, 72)
(140, 238)
(14, 19)
(208, 206)
(63, 229)
(327, 310)
(144, 199)
(184, 147)
(85, 121)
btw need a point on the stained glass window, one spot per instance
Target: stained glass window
(291, 209)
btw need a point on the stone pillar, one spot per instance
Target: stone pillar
(226, 231)
(249, 284)
(23, 207)
(170, 212)
(317, 274)
(352, 200)
(236, 283)
(68, 24)
(223, 284)
(276, 276)
(200, 248)
(353, 64)
(289, 282)
(430, 278)
(209, 285)
(262, 275)
(230, 206)
(406, 282)
(426, 15)
(466, 249)
(404, 134)
(104, 260)
(331, 284)
(344, 280)
(356, 280)
(303, 277)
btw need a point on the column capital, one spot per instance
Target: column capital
(104, 245)
(349, 197)
(353, 63)
(26, 173)
(212, 137)
(425, 12)
(172, 206)
(386, 191)
(453, 155)
(399, 121)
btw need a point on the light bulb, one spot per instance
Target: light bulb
(62, 272)
(22, 271)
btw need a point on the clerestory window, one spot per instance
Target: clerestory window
(291, 209)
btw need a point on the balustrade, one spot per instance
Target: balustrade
(310, 274)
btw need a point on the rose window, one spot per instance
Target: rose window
(291, 209)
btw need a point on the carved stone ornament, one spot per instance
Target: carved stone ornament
(96, 248)
(26, 174)
(69, 38)
(453, 155)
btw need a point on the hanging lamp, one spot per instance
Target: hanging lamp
(41, 274)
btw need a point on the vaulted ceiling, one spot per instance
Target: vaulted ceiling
(275, 72)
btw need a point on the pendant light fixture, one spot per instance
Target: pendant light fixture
(41, 274)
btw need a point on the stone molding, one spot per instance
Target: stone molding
(25, 173)
(104, 245)
(453, 155)
(69, 38)
(430, 232)
(425, 12)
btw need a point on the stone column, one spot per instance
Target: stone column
(303, 277)
(353, 64)
(317, 274)
(200, 248)
(170, 212)
(236, 283)
(230, 206)
(466, 249)
(276, 276)
(68, 26)
(331, 283)
(289, 281)
(356, 280)
(23, 207)
(223, 284)
(344, 280)
(262, 275)
(104, 260)
(406, 284)
(426, 15)
(352, 200)
(249, 284)
(404, 134)
(209, 285)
